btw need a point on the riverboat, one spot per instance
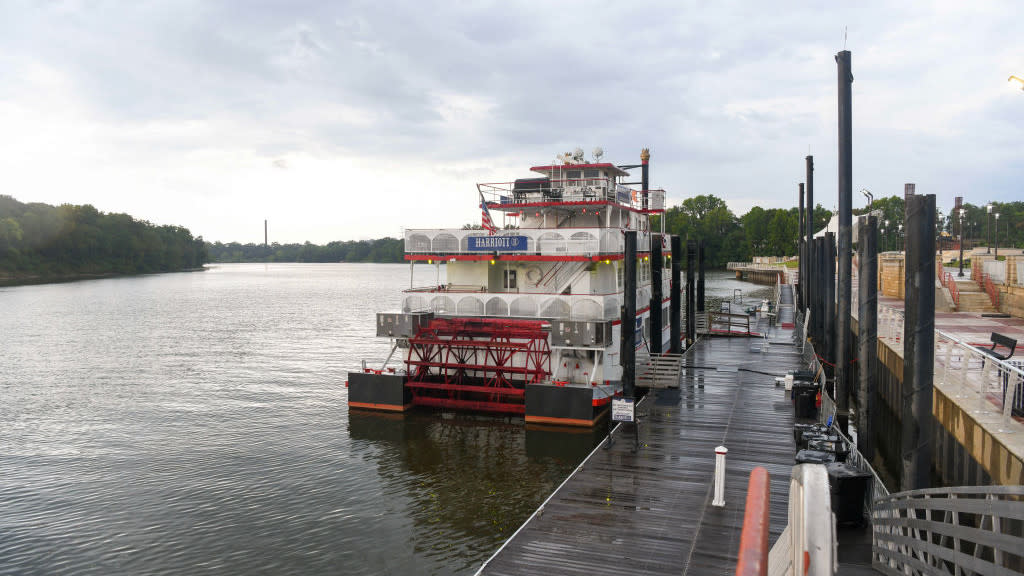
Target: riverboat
(527, 321)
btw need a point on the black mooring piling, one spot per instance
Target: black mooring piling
(657, 265)
(830, 303)
(845, 253)
(809, 223)
(691, 296)
(918, 342)
(627, 332)
(801, 294)
(867, 334)
(700, 276)
(675, 298)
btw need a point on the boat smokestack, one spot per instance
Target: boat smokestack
(265, 233)
(645, 159)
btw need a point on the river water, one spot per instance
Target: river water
(196, 423)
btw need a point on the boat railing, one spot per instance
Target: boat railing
(506, 196)
(540, 241)
(583, 307)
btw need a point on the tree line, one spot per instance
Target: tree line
(774, 231)
(43, 241)
(380, 250)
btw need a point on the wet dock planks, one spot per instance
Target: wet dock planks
(649, 511)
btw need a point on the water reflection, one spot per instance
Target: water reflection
(471, 480)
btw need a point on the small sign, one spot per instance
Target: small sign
(622, 194)
(622, 409)
(496, 243)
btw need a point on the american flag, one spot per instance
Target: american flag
(485, 217)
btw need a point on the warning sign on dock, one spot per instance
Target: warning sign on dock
(622, 409)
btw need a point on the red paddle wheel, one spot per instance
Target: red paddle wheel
(481, 364)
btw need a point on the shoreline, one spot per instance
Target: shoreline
(32, 280)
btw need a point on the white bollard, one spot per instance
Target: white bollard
(720, 453)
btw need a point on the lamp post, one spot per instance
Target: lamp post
(885, 237)
(988, 229)
(997, 236)
(899, 237)
(961, 274)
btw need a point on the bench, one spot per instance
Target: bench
(1001, 341)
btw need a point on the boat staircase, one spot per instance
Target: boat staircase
(560, 276)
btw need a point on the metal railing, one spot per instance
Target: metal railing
(949, 282)
(505, 195)
(994, 386)
(964, 530)
(544, 241)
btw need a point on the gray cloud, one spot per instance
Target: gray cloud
(729, 96)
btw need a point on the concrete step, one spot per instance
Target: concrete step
(975, 302)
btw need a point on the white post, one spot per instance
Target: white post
(965, 359)
(720, 453)
(945, 363)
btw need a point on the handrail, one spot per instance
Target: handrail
(959, 530)
(996, 386)
(993, 291)
(753, 559)
(949, 282)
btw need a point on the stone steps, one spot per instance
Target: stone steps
(974, 301)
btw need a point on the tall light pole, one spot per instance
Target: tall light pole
(885, 237)
(961, 274)
(899, 237)
(988, 229)
(997, 236)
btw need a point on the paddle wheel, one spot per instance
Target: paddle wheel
(481, 364)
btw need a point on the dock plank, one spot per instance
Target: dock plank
(649, 511)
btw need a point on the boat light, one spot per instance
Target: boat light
(607, 261)
(492, 261)
(429, 261)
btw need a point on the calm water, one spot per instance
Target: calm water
(197, 423)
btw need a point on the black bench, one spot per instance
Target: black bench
(1002, 341)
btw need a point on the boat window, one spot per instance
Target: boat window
(591, 173)
(510, 279)
(572, 174)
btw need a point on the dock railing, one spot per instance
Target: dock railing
(995, 387)
(963, 530)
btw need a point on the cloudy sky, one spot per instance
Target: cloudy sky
(352, 120)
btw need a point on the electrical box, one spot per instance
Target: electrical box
(401, 324)
(580, 333)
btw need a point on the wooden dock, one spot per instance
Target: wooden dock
(648, 511)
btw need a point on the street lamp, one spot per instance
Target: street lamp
(867, 194)
(988, 230)
(884, 237)
(997, 236)
(961, 274)
(899, 238)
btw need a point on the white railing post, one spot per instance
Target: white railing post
(720, 453)
(945, 366)
(1004, 378)
(983, 389)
